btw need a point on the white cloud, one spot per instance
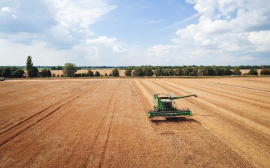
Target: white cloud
(80, 12)
(261, 37)
(229, 28)
(104, 41)
(59, 23)
(261, 40)
(118, 49)
(6, 9)
(74, 19)
(229, 32)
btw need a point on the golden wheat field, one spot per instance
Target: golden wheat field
(103, 123)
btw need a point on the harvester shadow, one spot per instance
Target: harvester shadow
(176, 119)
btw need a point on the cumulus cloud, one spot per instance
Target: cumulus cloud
(59, 23)
(104, 41)
(226, 32)
(118, 49)
(80, 12)
(261, 40)
(227, 29)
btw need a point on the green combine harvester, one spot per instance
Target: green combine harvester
(165, 107)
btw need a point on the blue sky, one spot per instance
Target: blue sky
(135, 32)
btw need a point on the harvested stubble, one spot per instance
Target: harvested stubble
(103, 123)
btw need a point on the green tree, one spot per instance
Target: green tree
(138, 71)
(158, 71)
(236, 71)
(6, 72)
(97, 73)
(190, 71)
(49, 73)
(128, 71)
(53, 68)
(69, 69)
(208, 71)
(16, 72)
(147, 71)
(265, 71)
(165, 72)
(59, 67)
(253, 72)
(226, 71)
(216, 70)
(29, 63)
(44, 73)
(33, 72)
(115, 72)
(178, 72)
(170, 72)
(19, 73)
(90, 73)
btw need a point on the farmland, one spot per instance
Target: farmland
(103, 123)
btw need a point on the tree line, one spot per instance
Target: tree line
(70, 69)
(124, 67)
(13, 72)
(190, 71)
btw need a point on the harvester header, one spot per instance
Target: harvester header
(165, 107)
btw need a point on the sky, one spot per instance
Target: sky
(135, 32)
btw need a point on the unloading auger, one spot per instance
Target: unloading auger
(164, 106)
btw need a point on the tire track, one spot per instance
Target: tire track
(231, 91)
(240, 127)
(221, 140)
(98, 132)
(172, 131)
(67, 115)
(29, 104)
(214, 106)
(31, 101)
(47, 129)
(231, 113)
(221, 99)
(9, 134)
(20, 87)
(110, 127)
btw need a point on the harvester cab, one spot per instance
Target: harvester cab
(164, 106)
